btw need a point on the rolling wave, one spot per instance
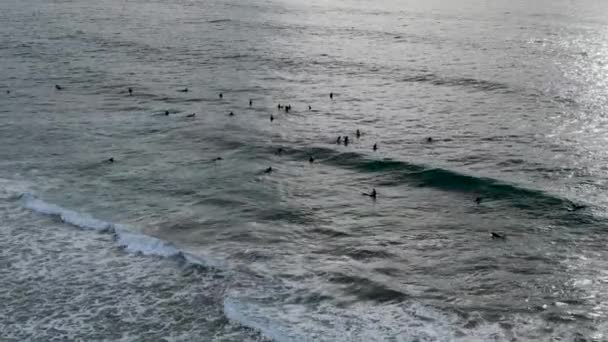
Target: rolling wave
(419, 175)
(131, 241)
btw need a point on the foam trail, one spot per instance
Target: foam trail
(81, 220)
(130, 240)
(205, 260)
(235, 311)
(139, 243)
(281, 322)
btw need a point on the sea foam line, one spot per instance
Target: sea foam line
(131, 241)
(68, 216)
(235, 312)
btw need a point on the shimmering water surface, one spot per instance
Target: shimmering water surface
(167, 243)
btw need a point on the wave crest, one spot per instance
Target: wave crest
(127, 239)
(74, 218)
(139, 243)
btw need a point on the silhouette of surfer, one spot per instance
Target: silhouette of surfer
(372, 194)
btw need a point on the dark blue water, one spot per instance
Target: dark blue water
(170, 243)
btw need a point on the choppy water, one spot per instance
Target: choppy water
(166, 243)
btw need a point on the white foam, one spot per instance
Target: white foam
(81, 220)
(283, 322)
(235, 311)
(129, 239)
(205, 260)
(139, 243)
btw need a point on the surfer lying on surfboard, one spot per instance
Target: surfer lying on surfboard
(372, 194)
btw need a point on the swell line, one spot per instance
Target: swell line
(419, 175)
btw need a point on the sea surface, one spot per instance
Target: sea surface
(170, 243)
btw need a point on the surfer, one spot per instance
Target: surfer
(371, 194)
(498, 236)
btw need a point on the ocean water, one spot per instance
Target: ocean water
(169, 244)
